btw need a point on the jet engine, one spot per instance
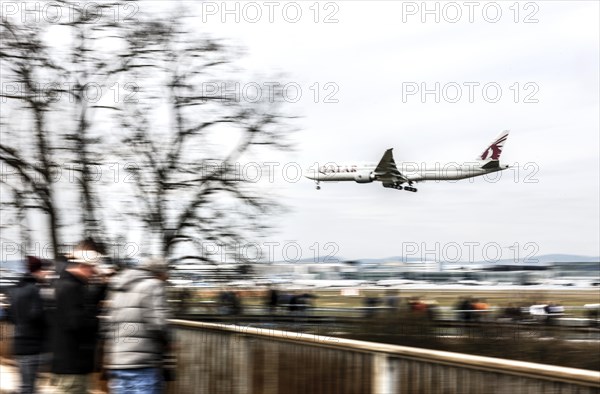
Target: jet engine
(364, 177)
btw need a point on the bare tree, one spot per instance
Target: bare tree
(51, 86)
(188, 192)
(25, 57)
(88, 71)
(173, 105)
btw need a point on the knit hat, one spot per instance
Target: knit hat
(154, 264)
(33, 264)
(90, 257)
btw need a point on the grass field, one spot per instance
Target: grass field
(572, 298)
(576, 298)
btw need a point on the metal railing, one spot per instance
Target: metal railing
(221, 358)
(217, 358)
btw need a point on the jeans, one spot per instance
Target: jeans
(136, 381)
(28, 367)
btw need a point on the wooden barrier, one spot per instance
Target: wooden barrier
(217, 358)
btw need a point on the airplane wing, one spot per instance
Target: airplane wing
(387, 171)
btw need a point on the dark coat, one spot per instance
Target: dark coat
(26, 312)
(76, 326)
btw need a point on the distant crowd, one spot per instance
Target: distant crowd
(466, 308)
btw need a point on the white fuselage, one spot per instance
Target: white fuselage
(414, 172)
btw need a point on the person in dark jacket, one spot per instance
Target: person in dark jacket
(76, 323)
(26, 312)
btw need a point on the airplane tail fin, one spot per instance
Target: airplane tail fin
(492, 153)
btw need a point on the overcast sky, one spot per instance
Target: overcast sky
(539, 64)
(374, 54)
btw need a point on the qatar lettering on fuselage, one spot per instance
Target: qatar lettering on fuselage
(334, 168)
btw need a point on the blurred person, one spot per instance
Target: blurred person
(236, 303)
(229, 303)
(392, 300)
(137, 331)
(185, 301)
(272, 299)
(547, 307)
(458, 308)
(301, 302)
(307, 300)
(293, 302)
(223, 301)
(284, 300)
(76, 321)
(417, 305)
(432, 308)
(465, 306)
(3, 307)
(370, 303)
(26, 311)
(553, 310)
(480, 307)
(556, 309)
(513, 312)
(592, 312)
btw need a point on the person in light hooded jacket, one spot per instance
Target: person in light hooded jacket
(136, 329)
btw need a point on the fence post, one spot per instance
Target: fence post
(382, 376)
(242, 364)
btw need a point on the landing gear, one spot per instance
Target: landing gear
(398, 186)
(318, 187)
(410, 188)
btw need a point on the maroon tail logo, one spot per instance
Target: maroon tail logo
(495, 149)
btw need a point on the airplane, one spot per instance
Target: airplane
(394, 176)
